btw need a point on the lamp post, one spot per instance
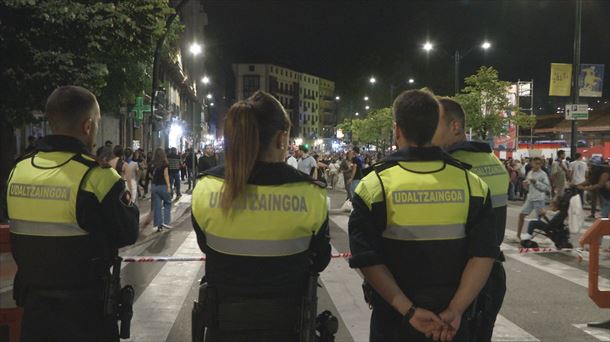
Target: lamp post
(457, 59)
(575, 73)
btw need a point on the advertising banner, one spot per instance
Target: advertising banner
(561, 79)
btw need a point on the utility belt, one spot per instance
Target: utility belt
(241, 313)
(290, 315)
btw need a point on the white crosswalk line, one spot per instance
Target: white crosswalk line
(600, 334)
(157, 308)
(557, 268)
(505, 331)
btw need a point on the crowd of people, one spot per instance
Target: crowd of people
(552, 176)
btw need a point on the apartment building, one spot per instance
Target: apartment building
(299, 93)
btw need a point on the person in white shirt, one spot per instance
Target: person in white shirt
(538, 185)
(578, 172)
(306, 162)
(292, 161)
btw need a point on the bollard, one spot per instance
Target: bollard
(593, 237)
(10, 317)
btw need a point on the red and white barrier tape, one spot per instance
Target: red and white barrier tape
(200, 258)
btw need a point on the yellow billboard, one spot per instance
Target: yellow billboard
(561, 79)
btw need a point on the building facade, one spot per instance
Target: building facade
(300, 93)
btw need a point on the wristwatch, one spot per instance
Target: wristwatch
(409, 313)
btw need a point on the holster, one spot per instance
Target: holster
(204, 311)
(367, 291)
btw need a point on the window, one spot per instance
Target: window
(251, 84)
(251, 68)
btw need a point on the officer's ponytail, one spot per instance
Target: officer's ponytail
(249, 127)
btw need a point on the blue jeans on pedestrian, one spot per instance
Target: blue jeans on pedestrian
(160, 195)
(174, 180)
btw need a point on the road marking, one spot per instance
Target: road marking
(600, 334)
(557, 268)
(505, 331)
(157, 308)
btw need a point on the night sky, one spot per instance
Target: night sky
(348, 41)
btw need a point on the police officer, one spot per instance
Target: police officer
(451, 135)
(419, 232)
(68, 217)
(263, 226)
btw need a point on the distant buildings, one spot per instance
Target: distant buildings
(308, 99)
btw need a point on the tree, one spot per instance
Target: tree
(104, 46)
(484, 101)
(375, 129)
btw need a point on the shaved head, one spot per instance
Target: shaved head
(68, 106)
(73, 111)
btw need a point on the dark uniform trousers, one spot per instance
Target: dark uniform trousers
(51, 318)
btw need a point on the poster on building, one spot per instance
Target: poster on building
(561, 79)
(590, 80)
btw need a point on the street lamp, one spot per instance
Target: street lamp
(411, 81)
(212, 104)
(195, 48)
(372, 80)
(205, 80)
(486, 45)
(337, 98)
(428, 46)
(366, 98)
(208, 96)
(357, 113)
(366, 107)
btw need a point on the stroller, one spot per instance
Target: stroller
(555, 229)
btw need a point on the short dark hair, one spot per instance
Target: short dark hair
(128, 152)
(537, 159)
(577, 156)
(416, 114)
(561, 153)
(453, 110)
(68, 106)
(108, 143)
(356, 149)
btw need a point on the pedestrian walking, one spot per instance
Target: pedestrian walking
(537, 184)
(132, 172)
(83, 213)
(173, 160)
(259, 257)
(161, 191)
(423, 269)
(208, 160)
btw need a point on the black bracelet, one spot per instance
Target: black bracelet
(407, 317)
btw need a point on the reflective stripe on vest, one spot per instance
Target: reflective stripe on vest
(257, 247)
(435, 232)
(269, 220)
(491, 170)
(46, 228)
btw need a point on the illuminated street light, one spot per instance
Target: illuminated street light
(209, 96)
(428, 46)
(357, 113)
(411, 81)
(205, 80)
(212, 104)
(367, 107)
(366, 98)
(372, 80)
(337, 98)
(486, 45)
(195, 49)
